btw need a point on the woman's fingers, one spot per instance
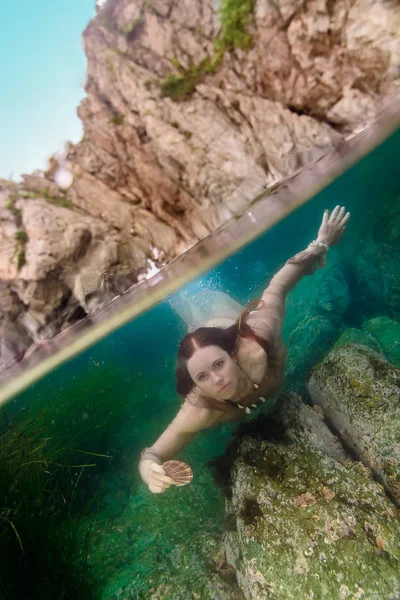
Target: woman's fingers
(160, 473)
(340, 214)
(325, 218)
(345, 219)
(156, 490)
(159, 483)
(163, 479)
(159, 477)
(335, 213)
(157, 468)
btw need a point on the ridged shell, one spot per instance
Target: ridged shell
(179, 471)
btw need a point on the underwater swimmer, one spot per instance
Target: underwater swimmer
(231, 366)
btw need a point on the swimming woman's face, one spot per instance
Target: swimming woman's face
(214, 372)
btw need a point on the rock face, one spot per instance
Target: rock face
(303, 522)
(191, 110)
(359, 392)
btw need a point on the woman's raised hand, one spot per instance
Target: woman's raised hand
(333, 226)
(154, 476)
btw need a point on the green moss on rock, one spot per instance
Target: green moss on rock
(62, 201)
(21, 236)
(359, 392)
(10, 205)
(21, 258)
(117, 119)
(133, 27)
(235, 17)
(182, 85)
(325, 530)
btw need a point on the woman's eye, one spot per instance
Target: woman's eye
(219, 364)
(202, 377)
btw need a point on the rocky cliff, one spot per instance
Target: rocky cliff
(191, 109)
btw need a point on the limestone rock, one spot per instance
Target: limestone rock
(359, 392)
(188, 115)
(302, 525)
(56, 256)
(249, 117)
(306, 424)
(40, 185)
(14, 341)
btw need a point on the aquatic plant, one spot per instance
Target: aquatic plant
(44, 496)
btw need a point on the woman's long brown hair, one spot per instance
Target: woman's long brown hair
(215, 336)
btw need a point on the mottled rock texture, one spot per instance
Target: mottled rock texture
(304, 522)
(359, 393)
(186, 104)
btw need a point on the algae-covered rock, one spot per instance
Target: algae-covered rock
(304, 526)
(387, 332)
(315, 316)
(305, 424)
(357, 336)
(359, 392)
(310, 340)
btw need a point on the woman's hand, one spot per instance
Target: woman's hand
(154, 476)
(333, 226)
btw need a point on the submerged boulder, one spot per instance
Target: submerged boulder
(387, 333)
(360, 337)
(359, 392)
(304, 525)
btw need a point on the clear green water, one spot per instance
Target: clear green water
(118, 396)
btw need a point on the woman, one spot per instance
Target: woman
(225, 370)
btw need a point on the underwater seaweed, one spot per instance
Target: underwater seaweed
(44, 497)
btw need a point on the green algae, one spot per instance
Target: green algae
(359, 392)
(291, 551)
(43, 499)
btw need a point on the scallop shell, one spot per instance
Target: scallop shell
(179, 471)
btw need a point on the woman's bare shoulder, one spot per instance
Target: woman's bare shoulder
(193, 417)
(267, 319)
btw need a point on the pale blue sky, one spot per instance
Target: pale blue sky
(42, 71)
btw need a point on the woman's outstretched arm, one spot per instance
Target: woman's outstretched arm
(187, 423)
(305, 263)
(268, 319)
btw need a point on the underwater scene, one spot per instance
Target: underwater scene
(300, 499)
